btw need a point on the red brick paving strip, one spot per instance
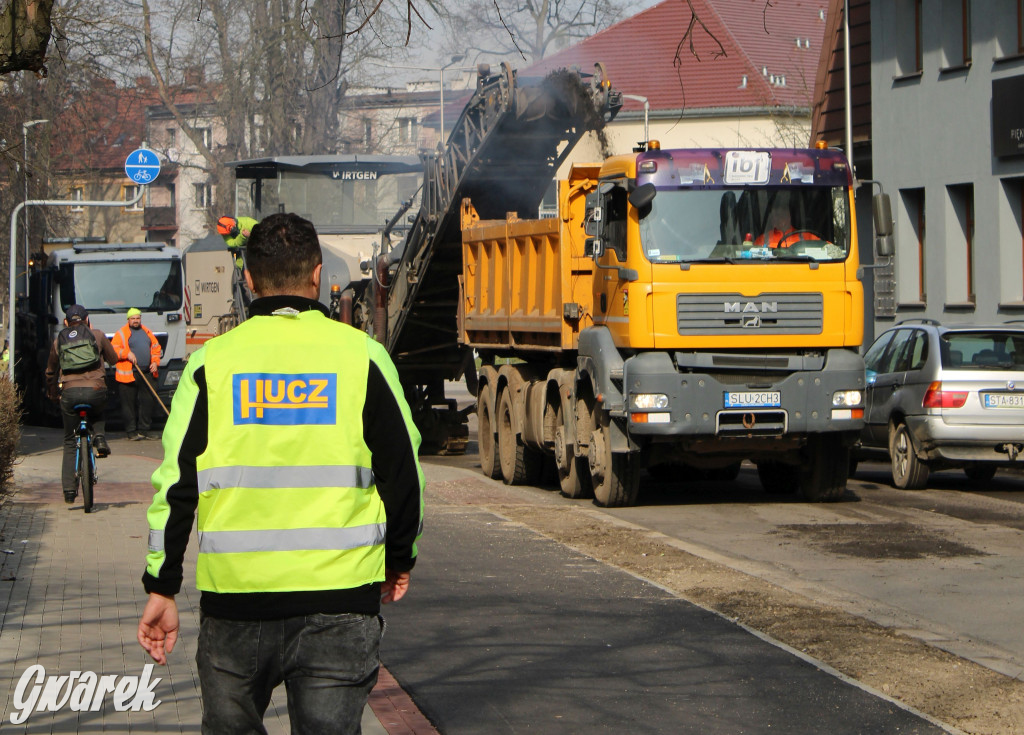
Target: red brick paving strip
(395, 709)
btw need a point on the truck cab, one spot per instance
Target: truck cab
(107, 279)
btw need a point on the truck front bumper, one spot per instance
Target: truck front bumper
(697, 405)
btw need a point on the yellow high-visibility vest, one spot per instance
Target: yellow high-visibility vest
(287, 500)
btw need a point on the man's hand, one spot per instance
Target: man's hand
(394, 587)
(158, 628)
(132, 358)
(154, 373)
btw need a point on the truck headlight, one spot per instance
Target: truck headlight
(171, 377)
(847, 398)
(648, 401)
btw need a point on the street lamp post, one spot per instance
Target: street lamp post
(24, 135)
(455, 60)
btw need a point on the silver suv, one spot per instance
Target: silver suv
(944, 397)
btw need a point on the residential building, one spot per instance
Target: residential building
(90, 166)
(180, 209)
(748, 80)
(945, 141)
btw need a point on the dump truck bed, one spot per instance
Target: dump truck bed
(526, 284)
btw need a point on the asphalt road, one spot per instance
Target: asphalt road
(506, 631)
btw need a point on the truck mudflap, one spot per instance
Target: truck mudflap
(757, 396)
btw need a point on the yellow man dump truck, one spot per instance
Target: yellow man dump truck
(685, 310)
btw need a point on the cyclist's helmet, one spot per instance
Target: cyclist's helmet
(76, 313)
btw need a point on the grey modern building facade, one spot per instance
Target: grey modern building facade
(947, 145)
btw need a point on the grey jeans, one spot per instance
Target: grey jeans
(328, 664)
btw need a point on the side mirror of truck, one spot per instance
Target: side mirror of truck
(885, 246)
(642, 196)
(881, 211)
(593, 247)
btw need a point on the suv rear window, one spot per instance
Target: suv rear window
(990, 350)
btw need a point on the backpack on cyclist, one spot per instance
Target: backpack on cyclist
(77, 350)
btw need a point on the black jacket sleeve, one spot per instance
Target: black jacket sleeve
(394, 443)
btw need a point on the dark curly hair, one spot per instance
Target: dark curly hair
(281, 252)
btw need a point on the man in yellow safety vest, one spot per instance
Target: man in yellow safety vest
(291, 436)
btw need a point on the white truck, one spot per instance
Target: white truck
(107, 279)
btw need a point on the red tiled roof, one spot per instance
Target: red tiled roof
(100, 127)
(639, 54)
(105, 123)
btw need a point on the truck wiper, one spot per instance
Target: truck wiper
(794, 256)
(730, 261)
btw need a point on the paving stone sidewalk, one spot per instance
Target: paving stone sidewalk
(70, 597)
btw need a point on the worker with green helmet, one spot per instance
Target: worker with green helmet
(291, 437)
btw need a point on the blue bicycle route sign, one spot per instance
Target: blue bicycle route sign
(142, 166)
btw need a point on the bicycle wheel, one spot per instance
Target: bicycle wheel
(88, 476)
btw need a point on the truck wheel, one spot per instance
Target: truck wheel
(615, 476)
(573, 471)
(908, 472)
(824, 472)
(485, 433)
(777, 478)
(520, 464)
(980, 472)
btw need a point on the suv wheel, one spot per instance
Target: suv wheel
(908, 472)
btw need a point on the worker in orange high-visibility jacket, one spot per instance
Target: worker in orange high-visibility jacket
(779, 231)
(136, 347)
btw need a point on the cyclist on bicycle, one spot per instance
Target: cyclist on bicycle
(75, 375)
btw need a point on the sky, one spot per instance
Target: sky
(425, 49)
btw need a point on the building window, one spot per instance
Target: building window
(961, 197)
(1011, 232)
(297, 132)
(407, 130)
(1009, 35)
(203, 198)
(172, 137)
(956, 33)
(1020, 26)
(909, 47)
(913, 202)
(130, 192)
(368, 133)
(206, 135)
(78, 194)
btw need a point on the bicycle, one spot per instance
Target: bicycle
(85, 471)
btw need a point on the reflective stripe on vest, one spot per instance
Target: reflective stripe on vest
(293, 539)
(294, 477)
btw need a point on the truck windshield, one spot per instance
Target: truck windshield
(782, 224)
(349, 205)
(149, 285)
